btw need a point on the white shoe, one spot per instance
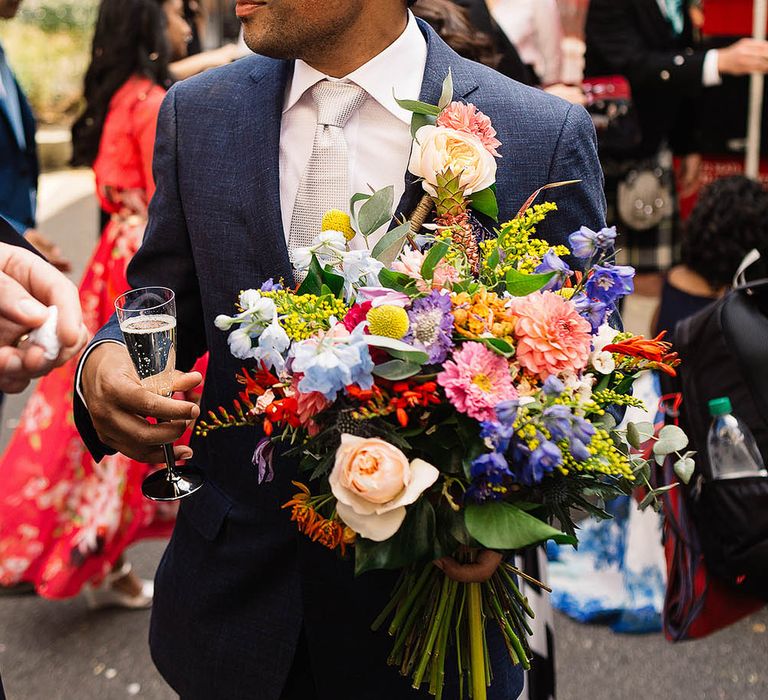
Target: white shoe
(105, 596)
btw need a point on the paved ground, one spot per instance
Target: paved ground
(61, 651)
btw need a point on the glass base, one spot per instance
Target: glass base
(184, 482)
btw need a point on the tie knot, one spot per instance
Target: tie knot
(337, 102)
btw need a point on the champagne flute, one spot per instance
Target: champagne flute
(147, 318)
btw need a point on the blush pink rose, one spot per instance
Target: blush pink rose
(373, 481)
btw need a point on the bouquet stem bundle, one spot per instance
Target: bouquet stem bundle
(432, 615)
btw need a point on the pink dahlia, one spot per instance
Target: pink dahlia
(308, 405)
(551, 336)
(475, 380)
(470, 120)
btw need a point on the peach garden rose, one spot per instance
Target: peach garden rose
(438, 149)
(373, 481)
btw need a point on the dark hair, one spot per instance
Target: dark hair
(129, 40)
(729, 220)
(454, 27)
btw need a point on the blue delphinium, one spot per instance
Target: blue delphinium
(553, 386)
(585, 242)
(271, 286)
(592, 310)
(544, 459)
(431, 326)
(557, 420)
(551, 262)
(330, 364)
(488, 472)
(608, 283)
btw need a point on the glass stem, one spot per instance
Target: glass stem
(170, 461)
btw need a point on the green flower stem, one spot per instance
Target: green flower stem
(511, 635)
(404, 583)
(521, 599)
(411, 598)
(441, 647)
(407, 630)
(477, 653)
(434, 627)
(460, 646)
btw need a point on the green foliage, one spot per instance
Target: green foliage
(500, 525)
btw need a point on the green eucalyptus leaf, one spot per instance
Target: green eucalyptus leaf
(446, 96)
(485, 202)
(436, 253)
(391, 243)
(398, 349)
(521, 285)
(419, 107)
(684, 469)
(671, 439)
(500, 525)
(396, 370)
(376, 211)
(356, 198)
(414, 541)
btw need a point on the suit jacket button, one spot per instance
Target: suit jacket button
(665, 75)
(679, 60)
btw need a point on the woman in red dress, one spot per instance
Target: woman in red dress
(65, 521)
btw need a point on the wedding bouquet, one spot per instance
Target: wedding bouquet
(450, 390)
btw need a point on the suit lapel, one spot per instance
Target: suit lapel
(440, 58)
(259, 128)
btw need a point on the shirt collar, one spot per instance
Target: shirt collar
(396, 71)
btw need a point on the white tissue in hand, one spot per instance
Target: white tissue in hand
(45, 336)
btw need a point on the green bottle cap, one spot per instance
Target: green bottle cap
(720, 407)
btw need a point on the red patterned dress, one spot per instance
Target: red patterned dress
(65, 520)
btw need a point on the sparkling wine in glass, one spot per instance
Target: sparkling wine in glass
(147, 319)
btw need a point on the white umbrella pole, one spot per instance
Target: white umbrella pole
(756, 96)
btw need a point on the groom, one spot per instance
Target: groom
(244, 607)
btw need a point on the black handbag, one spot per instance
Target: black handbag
(609, 103)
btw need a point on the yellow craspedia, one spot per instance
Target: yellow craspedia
(389, 321)
(337, 220)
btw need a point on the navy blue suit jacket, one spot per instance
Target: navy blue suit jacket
(236, 583)
(19, 167)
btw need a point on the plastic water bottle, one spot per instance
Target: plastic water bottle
(731, 447)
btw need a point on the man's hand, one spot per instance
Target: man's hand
(28, 285)
(480, 571)
(119, 406)
(744, 57)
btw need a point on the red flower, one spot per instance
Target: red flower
(356, 315)
(409, 394)
(281, 411)
(656, 351)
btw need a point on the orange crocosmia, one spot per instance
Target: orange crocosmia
(257, 383)
(282, 411)
(655, 350)
(328, 532)
(412, 395)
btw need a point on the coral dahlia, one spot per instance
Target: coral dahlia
(551, 335)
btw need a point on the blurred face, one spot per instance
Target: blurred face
(9, 8)
(178, 32)
(296, 28)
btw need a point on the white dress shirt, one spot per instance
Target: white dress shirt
(378, 135)
(536, 31)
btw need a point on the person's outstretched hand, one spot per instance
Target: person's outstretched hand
(120, 405)
(28, 286)
(744, 57)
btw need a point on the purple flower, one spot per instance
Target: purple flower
(610, 282)
(262, 458)
(271, 286)
(583, 430)
(553, 386)
(592, 310)
(579, 450)
(506, 411)
(543, 461)
(488, 472)
(431, 326)
(552, 263)
(586, 242)
(557, 420)
(498, 434)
